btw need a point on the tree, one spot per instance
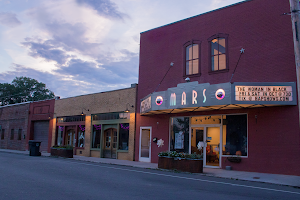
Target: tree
(23, 89)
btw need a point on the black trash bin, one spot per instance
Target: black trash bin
(34, 148)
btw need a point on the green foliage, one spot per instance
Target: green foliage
(174, 154)
(63, 147)
(23, 89)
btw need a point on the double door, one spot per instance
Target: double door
(110, 143)
(211, 137)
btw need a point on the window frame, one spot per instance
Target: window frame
(219, 35)
(12, 134)
(20, 134)
(185, 45)
(2, 134)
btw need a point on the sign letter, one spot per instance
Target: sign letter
(194, 98)
(183, 99)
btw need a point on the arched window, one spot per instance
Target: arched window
(192, 58)
(218, 52)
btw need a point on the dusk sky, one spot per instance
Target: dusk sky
(80, 47)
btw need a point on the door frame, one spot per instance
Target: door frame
(143, 159)
(205, 126)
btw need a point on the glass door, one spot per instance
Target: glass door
(212, 143)
(110, 143)
(196, 137)
(145, 145)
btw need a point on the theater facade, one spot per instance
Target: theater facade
(225, 78)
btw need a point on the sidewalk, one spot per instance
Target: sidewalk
(240, 175)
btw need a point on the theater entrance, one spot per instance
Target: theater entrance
(210, 136)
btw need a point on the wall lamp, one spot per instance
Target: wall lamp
(127, 110)
(84, 109)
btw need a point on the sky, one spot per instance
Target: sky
(79, 47)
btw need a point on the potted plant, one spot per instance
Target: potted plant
(62, 151)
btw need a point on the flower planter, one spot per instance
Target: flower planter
(181, 164)
(165, 162)
(62, 152)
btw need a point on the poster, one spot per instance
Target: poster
(179, 140)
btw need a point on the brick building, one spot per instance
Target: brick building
(97, 125)
(40, 123)
(14, 123)
(26, 121)
(226, 78)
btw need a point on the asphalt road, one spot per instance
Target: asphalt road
(27, 177)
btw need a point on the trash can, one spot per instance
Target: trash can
(34, 148)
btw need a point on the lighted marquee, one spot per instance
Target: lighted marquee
(192, 96)
(146, 104)
(263, 93)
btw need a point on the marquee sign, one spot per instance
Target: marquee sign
(194, 95)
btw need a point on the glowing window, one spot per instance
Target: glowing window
(218, 52)
(192, 61)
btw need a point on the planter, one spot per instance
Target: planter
(165, 162)
(62, 152)
(181, 164)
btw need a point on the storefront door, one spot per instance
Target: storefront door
(210, 135)
(70, 138)
(145, 144)
(110, 143)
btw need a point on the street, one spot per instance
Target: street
(27, 177)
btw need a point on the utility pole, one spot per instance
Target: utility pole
(295, 25)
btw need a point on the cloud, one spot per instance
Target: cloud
(47, 50)
(104, 8)
(9, 19)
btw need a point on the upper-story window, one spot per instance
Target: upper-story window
(218, 52)
(192, 58)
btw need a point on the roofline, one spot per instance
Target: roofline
(97, 93)
(244, 1)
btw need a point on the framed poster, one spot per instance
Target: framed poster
(179, 140)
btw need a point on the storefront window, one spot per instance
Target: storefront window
(59, 135)
(96, 136)
(235, 135)
(123, 136)
(81, 135)
(180, 134)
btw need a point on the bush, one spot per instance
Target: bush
(63, 147)
(174, 154)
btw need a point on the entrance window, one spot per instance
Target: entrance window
(235, 135)
(96, 136)
(179, 139)
(59, 135)
(81, 135)
(123, 136)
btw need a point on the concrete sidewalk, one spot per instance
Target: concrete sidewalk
(231, 174)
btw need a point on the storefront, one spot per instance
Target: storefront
(225, 78)
(97, 125)
(224, 135)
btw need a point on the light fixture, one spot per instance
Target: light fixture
(84, 109)
(127, 110)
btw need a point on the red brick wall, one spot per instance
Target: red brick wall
(266, 35)
(14, 117)
(41, 111)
